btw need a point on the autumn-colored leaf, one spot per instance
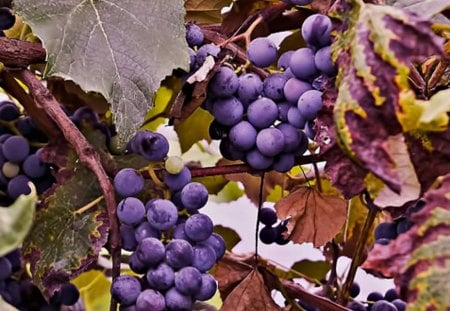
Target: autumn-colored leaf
(314, 217)
(231, 270)
(239, 12)
(205, 11)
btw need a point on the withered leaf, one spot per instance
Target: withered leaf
(231, 270)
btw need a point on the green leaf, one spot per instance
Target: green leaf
(214, 184)
(205, 11)
(314, 269)
(231, 192)
(426, 8)
(194, 129)
(435, 112)
(121, 49)
(16, 221)
(94, 289)
(229, 235)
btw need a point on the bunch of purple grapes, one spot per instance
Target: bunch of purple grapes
(376, 301)
(272, 232)
(172, 244)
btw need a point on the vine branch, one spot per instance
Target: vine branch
(19, 54)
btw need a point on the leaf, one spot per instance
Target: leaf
(205, 11)
(16, 221)
(425, 8)
(121, 49)
(314, 217)
(231, 192)
(94, 289)
(242, 298)
(214, 184)
(62, 243)
(4, 306)
(315, 269)
(230, 236)
(419, 260)
(435, 115)
(194, 129)
(239, 12)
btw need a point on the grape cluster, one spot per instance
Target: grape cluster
(272, 233)
(387, 231)
(376, 301)
(172, 244)
(7, 19)
(24, 295)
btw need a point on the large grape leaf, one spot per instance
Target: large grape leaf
(16, 221)
(419, 260)
(425, 8)
(119, 48)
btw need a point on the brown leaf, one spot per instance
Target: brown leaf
(238, 14)
(205, 11)
(231, 270)
(315, 217)
(251, 294)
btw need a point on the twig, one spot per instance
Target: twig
(258, 215)
(87, 154)
(19, 54)
(331, 283)
(317, 176)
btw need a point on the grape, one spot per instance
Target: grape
(403, 225)
(374, 296)
(229, 151)
(130, 211)
(14, 259)
(295, 118)
(125, 289)
(294, 88)
(228, 111)
(399, 304)
(15, 149)
(284, 162)
(176, 301)
(204, 257)
(128, 182)
(176, 182)
(309, 129)
(179, 253)
(4, 137)
(194, 35)
(33, 166)
(391, 294)
(152, 146)
(161, 278)
(5, 268)
(262, 112)
(284, 60)
(206, 50)
(150, 300)
(69, 294)
(303, 144)
(262, 52)
(268, 235)
(192, 60)
(10, 169)
(356, 306)
(8, 111)
(250, 87)
(270, 141)
(257, 160)
(224, 83)
(7, 18)
(280, 240)
(17, 186)
(136, 265)
(162, 214)
(292, 137)
(127, 234)
(383, 305)
(288, 73)
(188, 280)
(354, 290)
(178, 233)
(386, 230)
(273, 86)
(198, 227)
(316, 30)
(267, 216)
(323, 61)
(176, 199)
(383, 241)
(217, 130)
(208, 288)
(174, 165)
(145, 230)
(150, 251)
(194, 196)
(217, 243)
(310, 103)
(283, 109)
(302, 64)
(243, 136)
(300, 2)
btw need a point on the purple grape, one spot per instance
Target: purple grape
(206, 50)
(292, 136)
(309, 129)
(150, 251)
(386, 230)
(383, 241)
(145, 230)
(257, 160)
(310, 103)
(208, 288)
(136, 265)
(374, 296)
(14, 258)
(284, 60)
(229, 151)
(204, 257)
(302, 64)
(354, 290)
(284, 162)
(262, 52)
(194, 35)
(391, 295)
(8, 111)
(273, 86)
(228, 111)
(176, 182)
(179, 253)
(399, 304)
(69, 294)
(176, 199)
(128, 182)
(194, 196)
(150, 300)
(280, 240)
(152, 146)
(288, 74)
(217, 243)
(356, 306)
(250, 88)
(192, 60)
(198, 227)
(15, 149)
(178, 301)
(178, 233)
(5, 268)
(162, 214)
(268, 235)
(243, 135)
(262, 112)
(130, 211)
(403, 225)
(17, 186)
(323, 61)
(294, 88)
(125, 289)
(283, 109)
(217, 130)
(224, 83)
(316, 30)
(161, 278)
(267, 216)
(33, 166)
(301, 2)
(188, 281)
(127, 234)
(270, 141)
(383, 305)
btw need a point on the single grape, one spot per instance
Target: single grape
(152, 146)
(383, 241)
(262, 112)
(229, 151)
(179, 253)
(262, 52)
(174, 165)
(10, 169)
(284, 162)
(176, 199)
(176, 182)
(243, 135)
(399, 304)
(7, 18)
(273, 86)
(15, 149)
(383, 305)
(386, 230)
(250, 88)
(145, 230)
(354, 290)
(14, 259)
(178, 301)
(403, 225)
(295, 118)
(150, 300)
(5, 268)
(127, 234)
(194, 196)
(8, 111)
(217, 130)
(150, 251)
(302, 64)
(188, 281)
(267, 216)
(310, 103)
(323, 61)
(300, 2)
(136, 265)
(228, 111)
(198, 227)
(161, 278)
(283, 109)
(192, 60)
(206, 50)
(217, 243)
(391, 294)
(178, 233)
(292, 136)
(125, 289)
(224, 83)
(162, 214)
(356, 306)
(309, 129)
(374, 296)
(18, 185)
(204, 257)
(194, 35)
(270, 141)
(33, 166)
(284, 60)
(294, 88)
(316, 30)
(208, 288)
(85, 115)
(268, 235)
(257, 160)
(69, 294)
(130, 211)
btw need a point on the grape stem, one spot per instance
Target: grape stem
(258, 215)
(89, 205)
(19, 54)
(87, 154)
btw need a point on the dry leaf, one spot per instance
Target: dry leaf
(231, 270)
(314, 217)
